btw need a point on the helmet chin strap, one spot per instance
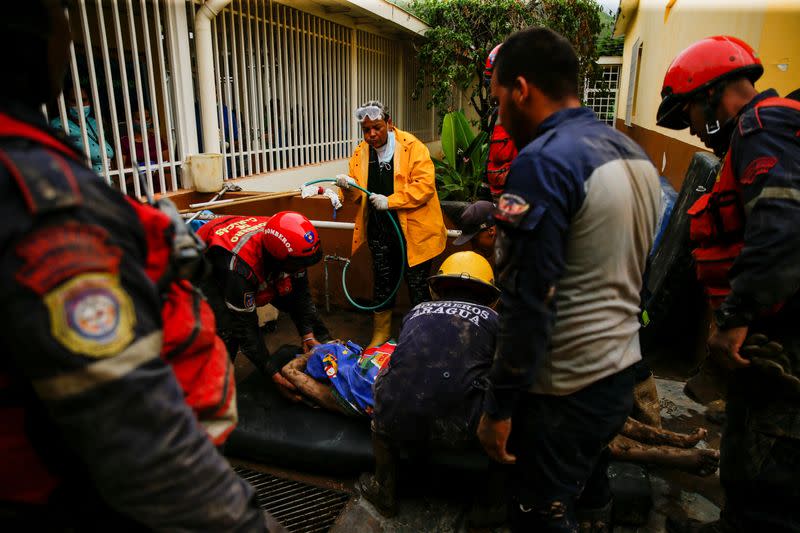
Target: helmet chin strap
(719, 134)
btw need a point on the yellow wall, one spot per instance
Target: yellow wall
(771, 27)
(780, 45)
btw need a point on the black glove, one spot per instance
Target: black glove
(770, 358)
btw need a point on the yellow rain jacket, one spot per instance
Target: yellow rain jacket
(414, 199)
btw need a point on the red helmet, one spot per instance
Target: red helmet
(698, 68)
(292, 239)
(487, 71)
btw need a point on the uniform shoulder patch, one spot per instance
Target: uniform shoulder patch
(55, 254)
(511, 209)
(757, 166)
(91, 315)
(250, 300)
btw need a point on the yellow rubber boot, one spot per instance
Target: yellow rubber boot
(381, 327)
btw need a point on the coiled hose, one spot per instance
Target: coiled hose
(347, 264)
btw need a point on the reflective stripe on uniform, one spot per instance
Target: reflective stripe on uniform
(222, 423)
(773, 193)
(100, 372)
(244, 239)
(239, 309)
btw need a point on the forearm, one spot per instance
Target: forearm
(251, 341)
(300, 306)
(421, 186)
(415, 195)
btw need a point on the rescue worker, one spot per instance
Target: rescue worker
(257, 261)
(96, 433)
(575, 226)
(747, 254)
(397, 169)
(502, 149)
(445, 349)
(478, 229)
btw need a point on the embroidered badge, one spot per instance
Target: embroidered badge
(55, 254)
(758, 166)
(309, 236)
(91, 315)
(511, 209)
(249, 300)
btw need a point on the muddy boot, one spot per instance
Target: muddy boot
(646, 405)
(381, 328)
(379, 488)
(708, 384)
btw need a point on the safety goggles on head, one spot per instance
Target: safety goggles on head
(371, 112)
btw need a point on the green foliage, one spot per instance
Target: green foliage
(460, 173)
(463, 32)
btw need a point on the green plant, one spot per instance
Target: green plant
(463, 32)
(460, 173)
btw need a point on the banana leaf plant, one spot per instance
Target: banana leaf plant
(460, 173)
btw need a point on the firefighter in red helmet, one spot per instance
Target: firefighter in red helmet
(747, 252)
(502, 150)
(257, 261)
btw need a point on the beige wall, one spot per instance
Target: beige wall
(771, 27)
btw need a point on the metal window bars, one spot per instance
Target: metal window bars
(283, 86)
(118, 59)
(287, 82)
(601, 95)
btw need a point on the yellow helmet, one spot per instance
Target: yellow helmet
(468, 272)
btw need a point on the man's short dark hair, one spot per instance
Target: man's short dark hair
(541, 56)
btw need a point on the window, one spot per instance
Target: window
(633, 81)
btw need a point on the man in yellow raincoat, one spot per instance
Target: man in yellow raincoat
(396, 168)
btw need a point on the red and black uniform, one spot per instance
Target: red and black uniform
(96, 431)
(502, 152)
(747, 232)
(246, 276)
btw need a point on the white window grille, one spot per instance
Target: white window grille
(284, 86)
(601, 94)
(418, 118)
(378, 67)
(119, 62)
(287, 83)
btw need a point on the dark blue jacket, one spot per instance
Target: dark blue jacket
(433, 388)
(765, 154)
(576, 223)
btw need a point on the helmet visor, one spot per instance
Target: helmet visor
(673, 112)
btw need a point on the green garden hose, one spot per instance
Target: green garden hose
(347, 264)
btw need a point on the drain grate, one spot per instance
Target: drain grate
(299, 507)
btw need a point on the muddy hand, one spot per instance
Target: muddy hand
(724, 345)
(493, 435)
(285, 387)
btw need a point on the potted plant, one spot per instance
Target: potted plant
(460, 173)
